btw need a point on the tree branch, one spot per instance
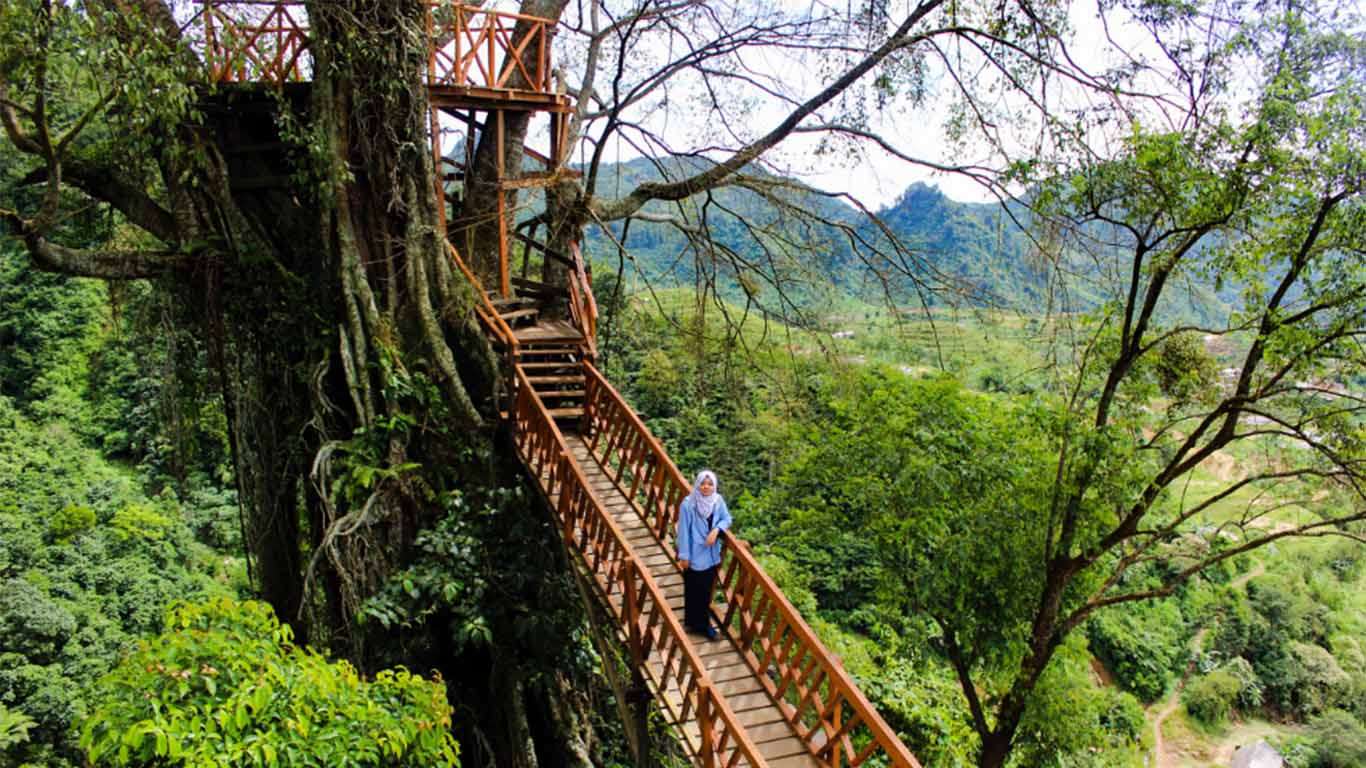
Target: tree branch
(618, 209)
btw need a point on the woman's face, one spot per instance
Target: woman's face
(706, 487)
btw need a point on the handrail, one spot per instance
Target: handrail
(589, 308)
(488, 314)
(830, 714)
(272, 48)
(477, 48)
(583, 307)
(469, 47)
(642, 609)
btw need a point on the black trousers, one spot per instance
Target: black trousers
(697, 592)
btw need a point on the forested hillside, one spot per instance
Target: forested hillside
(889, 478)
(988, 252)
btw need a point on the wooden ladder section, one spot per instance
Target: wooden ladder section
(767, 692)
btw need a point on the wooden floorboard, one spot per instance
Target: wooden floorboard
(723, 662)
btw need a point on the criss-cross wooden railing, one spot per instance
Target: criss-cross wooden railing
(267, 41)
(479, 48)
(817, 697)
(656, 640)
(255, 41)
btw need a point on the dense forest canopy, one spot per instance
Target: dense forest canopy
(317, 350)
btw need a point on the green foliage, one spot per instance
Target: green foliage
(1144, 645)
(88, 559)
(1340, 739)
(72, 520)
(924, 704)
(223, 685)
(139, 521)
(1210, 698)
(14, 728)
(1184, 369)
(925, 467)
(1068, 718)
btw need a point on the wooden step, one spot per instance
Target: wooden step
(565, 413)
(560, 393)
(555, 379)
(549, 365)
(518, 314)
(533, 348)
(515, 301)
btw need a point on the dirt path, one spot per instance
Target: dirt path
(1161, 758)
(1257, 570)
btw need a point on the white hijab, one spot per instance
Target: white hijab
(705, 505)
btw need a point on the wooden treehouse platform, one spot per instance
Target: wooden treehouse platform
(767, 692)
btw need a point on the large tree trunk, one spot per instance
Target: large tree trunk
(358, 387)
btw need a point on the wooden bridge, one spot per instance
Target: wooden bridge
(767, 692)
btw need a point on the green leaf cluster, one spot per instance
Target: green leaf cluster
(224, 685)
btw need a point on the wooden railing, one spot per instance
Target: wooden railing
(828, 712)
(583, 306)
(267, 41)
(488, 315)
(581, 301)
(255, 41)
(477, 48)
(656, 639)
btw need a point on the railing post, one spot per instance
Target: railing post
(704, 722)
(639, 693)
(491, 28)
(458, 26)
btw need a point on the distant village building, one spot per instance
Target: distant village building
(1257, 755)
(843, 334)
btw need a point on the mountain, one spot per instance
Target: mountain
(976, 246)
(820, 249)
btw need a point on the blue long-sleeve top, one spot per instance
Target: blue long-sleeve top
(692, 535)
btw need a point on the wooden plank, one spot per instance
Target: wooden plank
(518, 314)
(738, 686)
(747, 701)
(796, 761)
(785, 746)
(752, 719)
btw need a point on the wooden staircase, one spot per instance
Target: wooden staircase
(555, 372)
(767, 692)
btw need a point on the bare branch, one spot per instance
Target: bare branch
(698, 182)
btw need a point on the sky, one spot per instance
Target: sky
(872, 176)
(868, 174)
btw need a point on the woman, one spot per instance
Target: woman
(701, 518)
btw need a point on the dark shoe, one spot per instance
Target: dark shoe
(712, 634)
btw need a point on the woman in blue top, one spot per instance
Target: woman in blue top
(701, 518)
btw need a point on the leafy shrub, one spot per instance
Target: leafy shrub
(1210, 698)
(1303, 679)
(1142, 644)
(14, 727)
(1069, 721)
(1250, 690)
(223, 684)
(71, 521)
(1340, 740)
(139, 521)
